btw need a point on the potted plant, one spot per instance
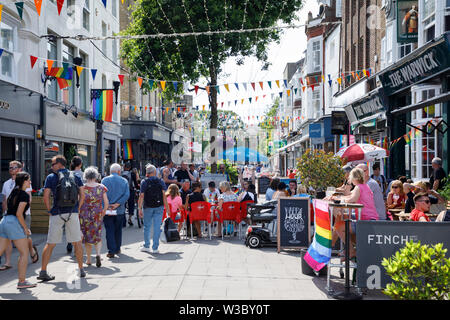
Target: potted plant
(319, 169)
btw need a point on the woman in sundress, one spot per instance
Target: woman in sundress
(92, 212)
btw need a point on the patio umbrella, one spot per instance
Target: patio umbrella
(362, 152)
(242, 154)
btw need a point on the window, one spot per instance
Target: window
(429, 33)
(70, 8)
(428, 10)
(84, 83)
(404, 49)
(104, 41)
(8, 44)
(428, 20)
(447, 23)
(114, 8)
(86, 14)
(332, 45)
(114, 50)
(389, 32)
(316, 103)
(316, 55)
(52, 54)
(69, 92)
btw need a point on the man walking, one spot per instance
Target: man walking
(68, 196)
(167, 173)
(438, 174)
(118, 194)
(376, 190)
(183, 174)
(132, 183)
(152, 201)
(378, 177)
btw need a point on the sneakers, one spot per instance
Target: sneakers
(144, 249)
(155, 251)
(25, 285)
(82, 273)
(44, 276)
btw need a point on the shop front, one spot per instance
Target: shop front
(320, 135)
(108, 144)
(20, 129)
(68, 135)
(148, 142)
(418, 97)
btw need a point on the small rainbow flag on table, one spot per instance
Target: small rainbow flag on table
(102, 104)
(127, 150)
(319, 252)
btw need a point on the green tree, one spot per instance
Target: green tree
(193, 57)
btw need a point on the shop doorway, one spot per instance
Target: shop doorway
(8, 154)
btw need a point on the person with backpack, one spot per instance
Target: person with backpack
(118, 194)
(68, 195)
(130, 176)
(75, 167)
(13, 226)
(152, 201)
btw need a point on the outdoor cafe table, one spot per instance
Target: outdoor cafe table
(348, 207)
(395, 211)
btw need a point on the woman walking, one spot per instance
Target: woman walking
(92, 213)
(14, 228)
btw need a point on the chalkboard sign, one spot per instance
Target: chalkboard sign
(216, 177)
(293, 223)
(376, 240)
(263, 184)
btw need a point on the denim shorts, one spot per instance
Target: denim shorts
(11, 229)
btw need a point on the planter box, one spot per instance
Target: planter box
(39, 216)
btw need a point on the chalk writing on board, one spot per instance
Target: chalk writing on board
(293, 222)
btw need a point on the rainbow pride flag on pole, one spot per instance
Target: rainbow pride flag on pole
(102, 104)
(319, 252)
(127, 150)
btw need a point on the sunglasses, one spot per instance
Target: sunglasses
(53, 164)
(426, 201)
(13, 168)
(395, 187)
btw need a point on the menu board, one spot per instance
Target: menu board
(293, 223)
(263, 184)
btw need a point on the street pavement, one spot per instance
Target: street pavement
(190, 270)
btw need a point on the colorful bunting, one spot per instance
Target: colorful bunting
(1, 9)
(196, 89)
(104, 3)
(33, 60)
(237, 86)
(94, 73)
(278, 83)
(79, 70)
(121, 77)
(59, 4)
(253, 85)
(175, 85)
(38, 4)
(261, 85)
(227, 87)
(163, 83)
(19, 7)
(49, 64)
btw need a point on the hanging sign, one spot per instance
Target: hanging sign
(407, 21)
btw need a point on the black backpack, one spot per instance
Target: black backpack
(127, 176)
(66, 190)
(153, 197)
(171, 230)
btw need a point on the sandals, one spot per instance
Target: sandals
(5, 267)
(35, 257)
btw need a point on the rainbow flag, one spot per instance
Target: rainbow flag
(319, 252)
(102, 104)
(127, 150)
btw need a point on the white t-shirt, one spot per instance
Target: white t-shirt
(8, 187)
(211, 196)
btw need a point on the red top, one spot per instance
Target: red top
(416, 214)
(400, 201)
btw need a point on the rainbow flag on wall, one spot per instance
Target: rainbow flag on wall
(319, 252)
(102, 104)
(127, 150)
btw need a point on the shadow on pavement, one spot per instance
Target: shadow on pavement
(103, 271)
(123, 258)
(167, 256)
(24, 294)
(75, 287)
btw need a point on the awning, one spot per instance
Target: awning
(444, 97)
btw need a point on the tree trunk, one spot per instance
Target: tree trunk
(213, 126)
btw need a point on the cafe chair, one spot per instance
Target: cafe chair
(200, 211)
(243, 215)
(231, 211)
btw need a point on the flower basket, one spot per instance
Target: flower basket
(39, 215)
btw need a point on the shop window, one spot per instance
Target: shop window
(8, 40)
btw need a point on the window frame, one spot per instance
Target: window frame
(14, 25)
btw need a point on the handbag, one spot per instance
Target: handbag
(162, 236)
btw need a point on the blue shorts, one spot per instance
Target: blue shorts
(11, 229)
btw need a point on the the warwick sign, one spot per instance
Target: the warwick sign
(423, 63)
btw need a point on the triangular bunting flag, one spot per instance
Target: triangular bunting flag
(94, 73)
(49, 64)
(253, 85)
(19, 6)
(237, 86)
(207, 89)
(38, 4)
(33, 60)
(288, 93)
(295, 90)
(1, 52)
(245, 86)
(218, 89)
(1, 9)
(250, 99)
(270, 84)
(175, 86)
(312, 87)
(261, 85)
(139, 80)
(235, 101)
(256, 99)
(281, 94)
(242, 101)
(59, 4)
(278, 83)
(121, 76)
(365, 72)
(104, 3)
(162, 83)
(339, 80)
(196, 89)
(369, 72)
(150, 84)
(330, 82)
(79, 69)
(227, 87)
(285, 83)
